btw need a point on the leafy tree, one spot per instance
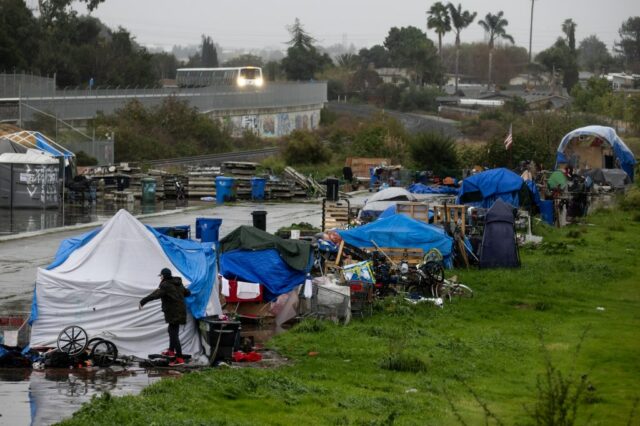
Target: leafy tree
(410, 48)
(559, 57)
(593, 55)
(303, 59)
(272, 71)
(19, 34)
(304, 147)
(164, 65)
(376, 55)
(629, 45)
(208, 55)
(508, 61)
(383, 136)
(60, 10)
(570, 74)
(244, 60)
(438, 20)
(494, 25)
(459, 20)
(434, 151)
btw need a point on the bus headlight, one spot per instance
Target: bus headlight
(242, 81)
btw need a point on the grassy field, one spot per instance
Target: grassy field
(420, 365)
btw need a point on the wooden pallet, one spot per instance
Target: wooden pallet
(335, 214)
(413, 256)
(444, 214)
(418, 211)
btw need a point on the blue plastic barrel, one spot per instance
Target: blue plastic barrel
(224, 189)
(208, 229)
(546, 211)
(257, 188)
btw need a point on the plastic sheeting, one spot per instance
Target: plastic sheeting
(483, 189)
(400, 231)
(620, 149)
(265, 267)
(418, 188)
(97, 280)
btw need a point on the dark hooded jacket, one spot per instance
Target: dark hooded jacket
(172, 294)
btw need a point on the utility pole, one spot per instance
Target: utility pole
(530, 42)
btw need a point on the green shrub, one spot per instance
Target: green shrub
(304, 147)
(84, 159)
(402, 361)
(631, 200)
(434, 151)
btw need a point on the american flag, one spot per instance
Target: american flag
(509, 139)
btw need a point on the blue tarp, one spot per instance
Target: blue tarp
(45, 146)
(195, 261)
(483, 189)
(265, 267)
(400, 231)
(418, 188)
(391, 210)
(622, 153)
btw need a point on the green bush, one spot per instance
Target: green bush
(84, 159)
(631, 200)
(304, 147)
(434, 151)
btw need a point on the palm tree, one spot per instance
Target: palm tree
(438, 20)
(460, 20)
(494, 25)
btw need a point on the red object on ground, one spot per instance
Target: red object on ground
(252, 356)
(313, 353)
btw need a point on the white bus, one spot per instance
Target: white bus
(203, 77)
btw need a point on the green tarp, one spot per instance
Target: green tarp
(557, 180)
(295, 253)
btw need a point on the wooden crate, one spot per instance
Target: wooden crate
(443, 214)
(413, 256)
(335, 214)
(418, 211)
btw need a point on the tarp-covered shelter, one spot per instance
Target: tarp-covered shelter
(499, 248)
(400, 231)
(483, 189)
(252, 255)
(28, 180)
(419, 188)
(595, 147)
(381, 200)
(616, 178)
(97, 280)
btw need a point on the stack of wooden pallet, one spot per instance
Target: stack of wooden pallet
(305, 183)
(239, 168)
(170, 185)
(202, 182)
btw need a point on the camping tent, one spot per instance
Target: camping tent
(594, 136)
(499, 248)
(97, 280)
(482, 189)
(400, 231)
(381, 200)
(616, 178)
(250, 254)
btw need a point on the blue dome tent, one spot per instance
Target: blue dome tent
(483, 189)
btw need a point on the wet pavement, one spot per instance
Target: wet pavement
(45, 397)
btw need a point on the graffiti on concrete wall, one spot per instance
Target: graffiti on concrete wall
(269, 125)
(272, 125)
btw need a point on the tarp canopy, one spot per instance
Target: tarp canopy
(499, 248)
(382, 200)
(400, 231)
(294, 252)
(31, 156)
(615, 177)
(97, 280)
(9, 146)
(482, 189)
(622, 152)
(419, 188)
(557, 180)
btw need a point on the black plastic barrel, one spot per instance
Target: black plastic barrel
(223, 335)
(333, 185)
(260, 219)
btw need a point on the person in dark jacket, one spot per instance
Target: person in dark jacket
(172, 293)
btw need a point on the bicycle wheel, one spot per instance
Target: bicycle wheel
(434, 271)
(72, 340)
(461, 290)
(104, 353)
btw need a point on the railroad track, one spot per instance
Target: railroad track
(216, 159)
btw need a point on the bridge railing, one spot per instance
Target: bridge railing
(84, 104)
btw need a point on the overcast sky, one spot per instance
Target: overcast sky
(261, 23)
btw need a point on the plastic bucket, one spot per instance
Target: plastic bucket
(257, 188)
(333, 186)
(224, 189)
(208, 229)
(546, 211)
(260, 219)
(148, 190)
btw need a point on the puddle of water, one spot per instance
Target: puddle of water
(30, 220)
(45, 397)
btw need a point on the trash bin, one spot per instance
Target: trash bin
(257, 188)
(333, 185)
(222, 337)
(208, 229)
(546, 211)
(260, 219)
(148, 190)
(224, 189)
